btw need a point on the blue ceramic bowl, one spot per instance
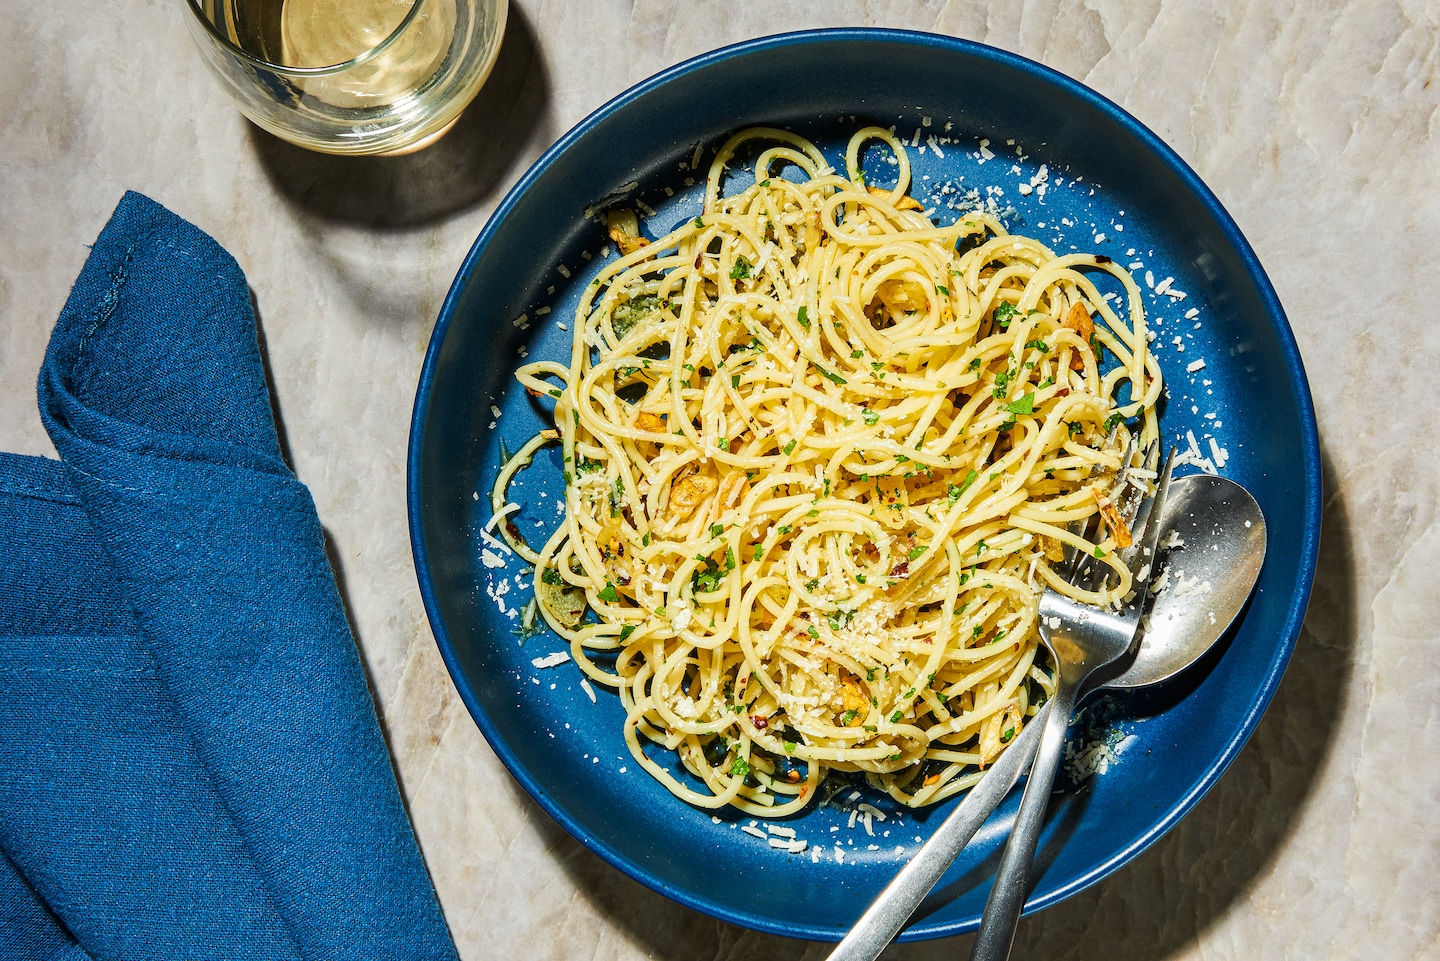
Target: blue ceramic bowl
(1109, 185)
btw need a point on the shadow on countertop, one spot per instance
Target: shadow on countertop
(464, 169)
(1160, 903)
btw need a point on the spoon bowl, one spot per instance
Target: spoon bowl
(1218, 547)
(1212, 547)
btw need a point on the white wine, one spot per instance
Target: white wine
(336, 76)
(322, 33)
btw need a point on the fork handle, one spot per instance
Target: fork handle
(889, 912)
(1012, 880)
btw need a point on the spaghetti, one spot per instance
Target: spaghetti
(822, 456)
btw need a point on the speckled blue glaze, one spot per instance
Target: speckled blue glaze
(1116, 179)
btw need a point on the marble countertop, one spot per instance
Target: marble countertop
(1318, 125)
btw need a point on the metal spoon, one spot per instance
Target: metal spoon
(1222, 544)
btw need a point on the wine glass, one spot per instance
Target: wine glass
(351, 76)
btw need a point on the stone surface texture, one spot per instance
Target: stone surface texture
(1316, 124)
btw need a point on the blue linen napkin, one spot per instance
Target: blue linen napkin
(190, 762)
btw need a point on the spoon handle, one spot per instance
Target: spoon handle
(889, 912)
(1012, 880)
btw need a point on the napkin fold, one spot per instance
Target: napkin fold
(190, 762)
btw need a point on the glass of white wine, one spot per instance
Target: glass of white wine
(351, 76)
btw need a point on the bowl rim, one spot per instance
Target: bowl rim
(1308, 547)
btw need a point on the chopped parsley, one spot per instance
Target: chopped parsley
(802, 318)
(608, 593)
(741, 269)
(708, 578)
(955, 492)
(1025, 405)
(617, 496)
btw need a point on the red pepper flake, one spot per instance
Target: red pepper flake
(760, 722)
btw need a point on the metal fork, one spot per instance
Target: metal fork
(1082, 639)
(889, 912)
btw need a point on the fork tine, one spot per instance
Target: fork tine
(1075, 563)
(1126, 494)
(1146, 529)
(1086, 572)
(1139, 557)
